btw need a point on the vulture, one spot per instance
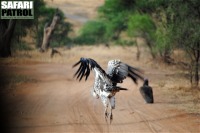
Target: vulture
(147, 92)
(105, 83)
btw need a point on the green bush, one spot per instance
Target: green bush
(21, 46)
(92, 32)
(141, 25)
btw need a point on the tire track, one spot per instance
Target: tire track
(147, 122)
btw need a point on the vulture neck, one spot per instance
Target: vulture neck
(146, 82)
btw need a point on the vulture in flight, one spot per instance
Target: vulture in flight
(105, 84)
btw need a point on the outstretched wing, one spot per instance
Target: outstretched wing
(118, 71)
(86, 65)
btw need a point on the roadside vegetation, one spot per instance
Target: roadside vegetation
(14, 31)
(165, 25)
(169, 29)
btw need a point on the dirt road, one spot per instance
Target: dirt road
(55, 102)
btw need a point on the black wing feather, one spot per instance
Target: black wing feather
(83, 71)
(87, 71)
(133, 78)
(135, 74)
(86, 66)
(78, 70)
(76, 63)
(118, 71)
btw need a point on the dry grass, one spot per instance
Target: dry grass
(87, 7)
(185, 98)
(100, 53)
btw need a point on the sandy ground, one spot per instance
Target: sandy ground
(55, 102)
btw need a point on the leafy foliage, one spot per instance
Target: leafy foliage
(140, 25)
(21, 46)
(115, 26)
(34, 27)
(22, 25)
(60, 35)
(185, 20)
(163, 41)
(92, 32)
(165, 24)
(113, 16)
(111, 7)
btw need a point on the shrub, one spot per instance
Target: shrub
(92, 32)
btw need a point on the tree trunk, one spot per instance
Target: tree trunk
(151, 49)
(138, 50)
(149, 44)
(197, 61)
(195, 65)
(48, 30)
(196, 74)
(7, 28)
(37, 33)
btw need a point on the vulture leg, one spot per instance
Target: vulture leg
(112, 106)
(111, 115)
(106, 112)
(105, 103)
